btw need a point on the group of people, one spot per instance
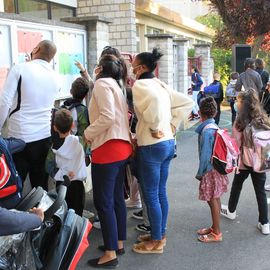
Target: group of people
(246, 94)
(59, 143)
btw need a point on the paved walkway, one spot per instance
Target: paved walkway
(243, 248)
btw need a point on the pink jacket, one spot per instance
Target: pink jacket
(108, 114)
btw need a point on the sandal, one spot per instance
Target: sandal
(143, 249)
(211, 237)
(204, 231)
(147, 237)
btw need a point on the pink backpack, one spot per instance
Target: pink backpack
(225, 151)
(256, 149)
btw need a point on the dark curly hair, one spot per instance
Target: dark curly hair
(251, 111)
(208, 107)
(79, 88)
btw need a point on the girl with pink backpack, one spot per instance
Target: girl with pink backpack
(252, 133)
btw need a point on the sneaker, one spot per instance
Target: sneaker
(88, 214)
(143, 228)
(138, 215)
(264, 228)
(224, 211)
(267, 187)
(131, 204)
(96, 224)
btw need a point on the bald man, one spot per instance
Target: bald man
(26, 102)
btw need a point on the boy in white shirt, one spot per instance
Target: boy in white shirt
(69, 157)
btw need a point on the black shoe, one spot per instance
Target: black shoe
(138, 215)
(143, 228)
(120, 251)
(109, 265)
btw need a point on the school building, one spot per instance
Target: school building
(82, 28)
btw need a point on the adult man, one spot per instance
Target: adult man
(249, 78)
(26, 100)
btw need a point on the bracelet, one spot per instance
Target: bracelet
(82, 71)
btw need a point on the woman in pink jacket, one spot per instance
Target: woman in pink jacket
(109, 137)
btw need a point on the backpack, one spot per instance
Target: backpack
(10, 181)
(212, 90)
(256, 149)
(225, 151)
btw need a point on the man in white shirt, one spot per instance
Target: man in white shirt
(26, 102)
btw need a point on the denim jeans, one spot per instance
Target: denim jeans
(153, 169)
(108, 193)
(258, 180)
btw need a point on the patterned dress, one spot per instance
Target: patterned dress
(212, 185)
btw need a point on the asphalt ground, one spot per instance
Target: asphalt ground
(243, 246)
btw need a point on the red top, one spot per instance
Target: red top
(112, 151)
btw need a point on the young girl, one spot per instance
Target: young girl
(249, 112)
(212, 184)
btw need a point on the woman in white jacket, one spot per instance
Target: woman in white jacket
(159, 110)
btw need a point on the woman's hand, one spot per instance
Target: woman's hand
(79, 66)
(157, 134)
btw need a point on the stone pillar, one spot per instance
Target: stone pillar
(203, 50)
(181, 46)
(123, 15)
(97, 28)
(165, 67)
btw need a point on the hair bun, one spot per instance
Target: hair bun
(156, 54)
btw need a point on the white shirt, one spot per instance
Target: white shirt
(39, 87)
(70, 158)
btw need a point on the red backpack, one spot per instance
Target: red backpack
(225, 151)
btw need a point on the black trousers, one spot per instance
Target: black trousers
(32, 160)
(258, 180)
(75, 196)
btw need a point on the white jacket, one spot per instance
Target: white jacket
(156, 107)
(70, 158)
(31, 103)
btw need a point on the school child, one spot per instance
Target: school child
(231, 93)
(250, 117)
(69, 157)
(212, 184)
(215, 89)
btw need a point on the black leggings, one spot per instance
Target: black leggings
(258, 180)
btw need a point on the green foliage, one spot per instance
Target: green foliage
(191, 52)
(211, 20)
(222, 62)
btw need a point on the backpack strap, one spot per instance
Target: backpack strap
(211, 125)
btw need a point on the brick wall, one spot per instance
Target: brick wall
(122, 31)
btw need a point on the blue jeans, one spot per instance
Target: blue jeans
(108, 193)
(153, 170)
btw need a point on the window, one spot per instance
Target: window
(38, 8)
(9, 6)
(58, 11)
(33, 8)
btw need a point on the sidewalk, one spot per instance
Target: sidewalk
(243, 247)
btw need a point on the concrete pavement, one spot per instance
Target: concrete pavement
(243, 247)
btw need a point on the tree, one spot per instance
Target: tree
(244, 20)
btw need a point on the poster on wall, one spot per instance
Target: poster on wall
(28, 39)
(70, 48)
(5, 53)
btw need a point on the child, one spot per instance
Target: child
(249, 112)
(231, 93)
(219, 96)
(69, 157)
(212, 184)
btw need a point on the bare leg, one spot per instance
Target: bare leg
(215, 213)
